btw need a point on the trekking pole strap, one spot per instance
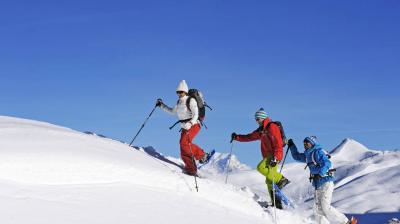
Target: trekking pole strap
(180, 121)
(203, 124)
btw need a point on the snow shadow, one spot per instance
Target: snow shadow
(149, 150)
(152, 152)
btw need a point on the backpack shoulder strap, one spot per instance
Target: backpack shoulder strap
(272, 122)
(313, 156)
(188, 103)
(314, 160)
(269, 125)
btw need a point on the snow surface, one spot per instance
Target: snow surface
(52, 174)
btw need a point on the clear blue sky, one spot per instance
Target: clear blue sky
(325, 68)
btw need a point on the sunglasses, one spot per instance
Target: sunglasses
(307, 145)
(180, 92)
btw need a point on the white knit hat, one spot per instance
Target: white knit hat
(183, 87)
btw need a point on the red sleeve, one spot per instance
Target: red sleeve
(274, 134)
(255, 135)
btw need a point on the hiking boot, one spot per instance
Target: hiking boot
(277, 200)
(282, 183)
(278, 204)
(352, 221)
(205, 158)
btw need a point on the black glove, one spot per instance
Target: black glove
(233, 136)
(315, 177)
(290, 143)
(273, 162)
(159, 103)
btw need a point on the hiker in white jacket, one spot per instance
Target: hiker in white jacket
(188, 116)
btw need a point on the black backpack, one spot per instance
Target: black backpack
(201, 105)
(279, 124)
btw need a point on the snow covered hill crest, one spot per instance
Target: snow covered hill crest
(52, 174)
(48, 172)
(351, 150)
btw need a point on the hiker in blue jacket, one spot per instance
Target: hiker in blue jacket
(321, 174)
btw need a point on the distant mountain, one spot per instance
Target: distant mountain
(220, 161)
(351, 150)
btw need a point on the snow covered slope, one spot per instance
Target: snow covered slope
(51, 174)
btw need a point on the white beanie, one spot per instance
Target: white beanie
(183, 87)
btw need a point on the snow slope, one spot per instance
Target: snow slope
(51, 174)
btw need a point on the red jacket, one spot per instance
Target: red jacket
(271, 140)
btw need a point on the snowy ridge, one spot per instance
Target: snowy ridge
(351, 150)
(59, 171)
(49, 172)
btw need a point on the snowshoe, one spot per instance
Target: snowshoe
(282, 183)
(206, 158)
(281, 196)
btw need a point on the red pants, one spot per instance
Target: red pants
(187, 148)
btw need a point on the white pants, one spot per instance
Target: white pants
(324, 212)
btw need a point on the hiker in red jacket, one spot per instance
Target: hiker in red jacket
(271, 150)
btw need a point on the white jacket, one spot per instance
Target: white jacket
(182, 111)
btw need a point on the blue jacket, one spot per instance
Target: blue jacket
(321, 166)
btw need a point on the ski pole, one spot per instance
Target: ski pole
(274, 197)
(283, 162)
(194, 162)
(229, 161)
(143, 125)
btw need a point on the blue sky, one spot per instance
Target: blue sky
(325, 68)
